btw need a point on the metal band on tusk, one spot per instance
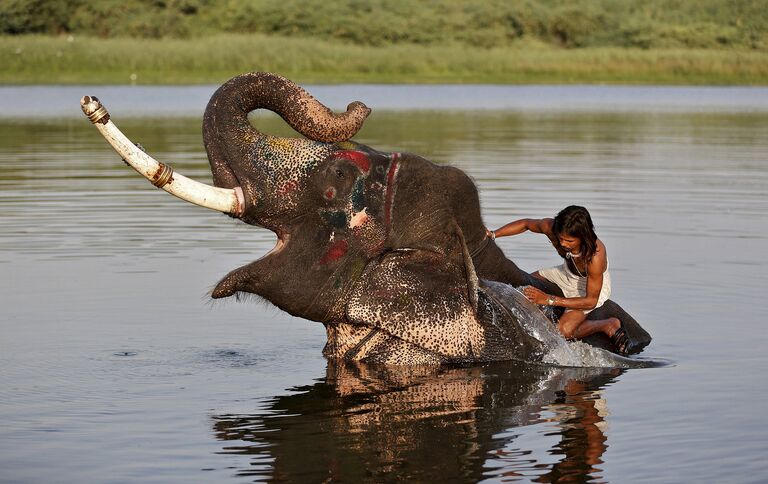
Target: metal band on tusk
(163, 175)
(98, 115)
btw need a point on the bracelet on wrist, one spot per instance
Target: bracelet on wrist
(551, 301)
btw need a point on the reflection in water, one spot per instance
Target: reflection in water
(436, 424)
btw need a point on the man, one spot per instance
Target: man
(583, 277)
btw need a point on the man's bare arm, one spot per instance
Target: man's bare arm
(595, 270)
(539, 226)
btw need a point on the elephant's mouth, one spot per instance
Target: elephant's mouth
(282, 240)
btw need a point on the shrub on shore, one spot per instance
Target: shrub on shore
(71, 59)
(477, 23)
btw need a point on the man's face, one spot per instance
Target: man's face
(569, 243)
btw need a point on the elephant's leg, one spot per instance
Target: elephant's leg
(343, 338)
(422, 298)
(355, 342)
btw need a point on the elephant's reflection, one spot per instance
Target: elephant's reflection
(425, 423)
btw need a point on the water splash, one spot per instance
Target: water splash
(558, 351)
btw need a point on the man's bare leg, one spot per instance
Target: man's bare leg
(608, 326)
(575, 325)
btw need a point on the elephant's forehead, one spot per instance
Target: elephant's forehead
(284, 160)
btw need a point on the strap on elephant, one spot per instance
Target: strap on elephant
(483, 244)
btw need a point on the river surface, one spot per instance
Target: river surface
(115, 366)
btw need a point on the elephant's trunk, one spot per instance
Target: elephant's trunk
(229, 136)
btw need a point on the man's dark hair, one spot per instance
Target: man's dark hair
(576, 222)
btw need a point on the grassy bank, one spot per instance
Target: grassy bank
(83, 60)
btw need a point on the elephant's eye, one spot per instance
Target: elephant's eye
(339, 174)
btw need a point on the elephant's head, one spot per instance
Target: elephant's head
(323, 195)
(328, 199)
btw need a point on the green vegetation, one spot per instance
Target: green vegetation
(208, 41)
(477, 23)
(41, 59)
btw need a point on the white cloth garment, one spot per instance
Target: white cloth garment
(574, 285)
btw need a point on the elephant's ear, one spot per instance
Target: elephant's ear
(425, 298)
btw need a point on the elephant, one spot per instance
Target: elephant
(388, 250)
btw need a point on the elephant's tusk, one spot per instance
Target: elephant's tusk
(227, 200)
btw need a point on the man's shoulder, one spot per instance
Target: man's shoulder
(600, 249)
(545, 224)
(600, 258)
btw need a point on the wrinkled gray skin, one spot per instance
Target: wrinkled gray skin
(384, 249)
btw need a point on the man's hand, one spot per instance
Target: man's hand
(536, 296)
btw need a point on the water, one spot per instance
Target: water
(116, 367)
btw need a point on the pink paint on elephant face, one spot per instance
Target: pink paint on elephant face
(360, 159)
(358, 219)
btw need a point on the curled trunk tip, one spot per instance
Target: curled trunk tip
(230, 104)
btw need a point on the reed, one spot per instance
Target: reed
(86, 60)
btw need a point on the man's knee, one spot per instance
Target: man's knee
(566, 330)
(569, 322)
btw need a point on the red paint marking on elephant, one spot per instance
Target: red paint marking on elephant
(335, 251)
(394, 167)
(288, 187)
(359, 159)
